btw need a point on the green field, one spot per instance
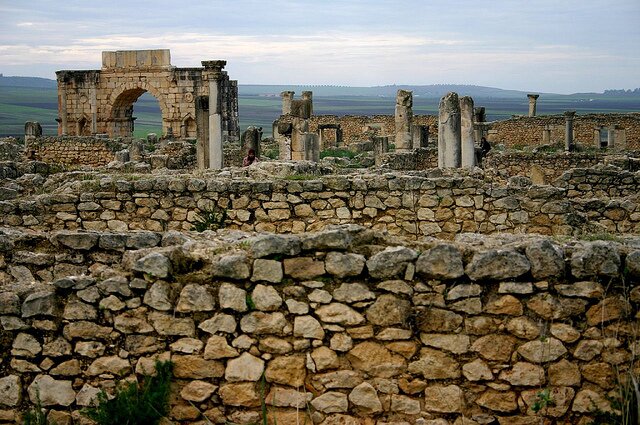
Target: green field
(261, 105)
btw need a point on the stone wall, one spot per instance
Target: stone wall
(347, 326)
(422, 203)
(527, 131)
(75, 150)
(515, 132)
(353, 126)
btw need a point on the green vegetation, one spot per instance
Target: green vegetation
(337, 153)
(543, 400)
(37, 415)
(136, 405)
(210, 219)
(625, 405)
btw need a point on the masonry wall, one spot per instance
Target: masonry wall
(347, 326)
(74, 150)
(527, 131)
(412, 205)
(353, 126)
(515, 132)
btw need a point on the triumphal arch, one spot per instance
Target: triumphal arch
(199, 103)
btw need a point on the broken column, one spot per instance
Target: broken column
(250, 139)
(380, 147)
(287, 98)
(32, 130)
(568, 133)
(311, 143)
(214, 71)
(307, 97)
(420, 136)
(546, 134)
(449, 141)
(479, 118)
(403, 118)
(611, 136)
(467, 145)
(533, 98)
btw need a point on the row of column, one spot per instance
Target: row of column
(456, 141)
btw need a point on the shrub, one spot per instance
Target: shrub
(210, 219)
(135, 404)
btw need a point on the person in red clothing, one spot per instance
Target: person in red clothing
(250, 158)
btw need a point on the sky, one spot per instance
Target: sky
(547, 46)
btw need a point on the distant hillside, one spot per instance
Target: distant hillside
(33, 82)
(36, 99)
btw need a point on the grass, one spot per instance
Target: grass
(146, 404)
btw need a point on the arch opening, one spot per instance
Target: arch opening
(148, 115)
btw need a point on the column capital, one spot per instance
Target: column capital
(287, 94)
(569, 114)
(533, 96)
(214, 65)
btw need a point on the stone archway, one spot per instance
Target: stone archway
(197, 103)
(120, 107)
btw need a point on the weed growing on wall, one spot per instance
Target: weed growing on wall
(37, 415)
(210, 219)
(135, 404)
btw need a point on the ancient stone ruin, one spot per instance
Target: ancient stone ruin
(403, 286)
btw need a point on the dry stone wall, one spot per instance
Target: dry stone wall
(347, 326)
(429, 203)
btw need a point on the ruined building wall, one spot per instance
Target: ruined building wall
(344, 326)
(528, 131)
(74, 150)
(406, 205)
(353, 126)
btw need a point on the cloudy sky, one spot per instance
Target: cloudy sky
(561, 46)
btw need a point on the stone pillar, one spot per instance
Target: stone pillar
(611, 137)
(533, 98)
(420, 136)
(568, 132)
(136, 150)
(311, 146)
(94, 111)
(478, 117)
(32, 130)
(64, 129)
(308, 97)
(300, 126)
(380, 147)
(546, 135)
(449, 153)
(596, 138)
(250, 139)
(214, 69)
(287, 98)
(467, 145)
(403, 118)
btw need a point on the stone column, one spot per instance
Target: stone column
(478, 117)
(611, 137)
(596, 138)
(380, 147)
(214, 71)
(32, 130)
(568, 132)
(420, 136)
(287, 97)
(533, 98)
(546, 135)
(311, 147)
(449, 154)
(403, 118)
(64, 125)
(467, 145)
(308, 96)
(250, 139)
(94, 111)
